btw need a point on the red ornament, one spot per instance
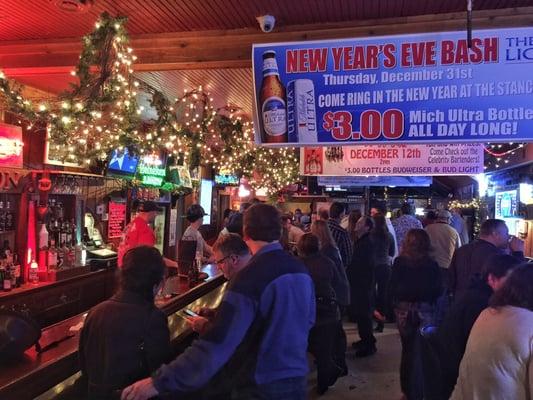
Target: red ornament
(44, 184)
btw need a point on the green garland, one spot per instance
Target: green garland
(101, 113)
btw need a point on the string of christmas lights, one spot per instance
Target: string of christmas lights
(498, 154)
(101, 113)
(475, 204)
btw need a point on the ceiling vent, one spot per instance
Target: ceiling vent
(74, 6)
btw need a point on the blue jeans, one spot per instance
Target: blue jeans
(283, 389)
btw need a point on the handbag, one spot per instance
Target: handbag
(18, 332)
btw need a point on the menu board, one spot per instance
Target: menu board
(117, 220)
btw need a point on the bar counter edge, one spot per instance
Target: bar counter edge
(38, 374)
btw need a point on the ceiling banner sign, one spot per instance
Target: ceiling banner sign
(422, 88)
(398, 160)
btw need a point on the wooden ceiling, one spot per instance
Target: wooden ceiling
(38, 19)
(186, 43)
(231, 86)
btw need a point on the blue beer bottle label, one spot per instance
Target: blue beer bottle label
(274, 116)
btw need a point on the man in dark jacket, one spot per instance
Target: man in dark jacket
(453, 334)
(361, 277)
(259, 335)
(468, 261)
(126, 338)
(340, 235)
(322, 336)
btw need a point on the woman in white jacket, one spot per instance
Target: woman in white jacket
(498, 361)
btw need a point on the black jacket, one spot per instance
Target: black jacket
(323, 271)
(467, 264)
(360, 274)
(415, 283)
(123, 339)
(383, 247)
(453, 333)
(340, 280)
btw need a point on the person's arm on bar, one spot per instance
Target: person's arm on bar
(170, 263)
(200, 362)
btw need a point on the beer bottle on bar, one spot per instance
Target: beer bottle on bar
(273, 102)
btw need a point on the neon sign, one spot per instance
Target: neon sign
(151, 175)
(226, 180)
(11, 146)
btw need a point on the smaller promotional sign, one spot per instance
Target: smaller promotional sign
(11, 146)
(397, 160)
(117, 220)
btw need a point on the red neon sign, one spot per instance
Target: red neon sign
(11, 146)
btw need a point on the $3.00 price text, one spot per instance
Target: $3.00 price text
(373, 125)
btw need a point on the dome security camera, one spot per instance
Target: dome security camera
(266, 22)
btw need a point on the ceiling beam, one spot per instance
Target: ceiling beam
(232, 48)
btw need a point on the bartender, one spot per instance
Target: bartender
(139, 232)
(195, 216)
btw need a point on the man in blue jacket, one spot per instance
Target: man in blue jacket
(260, 331)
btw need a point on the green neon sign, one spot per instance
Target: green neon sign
(151, 176)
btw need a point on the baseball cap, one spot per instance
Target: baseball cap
(148, 206)
(444, 214)
(194, 212)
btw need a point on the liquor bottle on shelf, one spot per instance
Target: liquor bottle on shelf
(6, 249)
(74, 233)
(52, 229)
(59, 210)
(62, 234)
(57, 230)
(16, 271)
(11, 267)
(43, 247)
(52, 255)
(80, 254)
(10, 217)
(68, 233)
(64, 252)
(2, 217)
(6, 276)
(33, 274)
(85, 238)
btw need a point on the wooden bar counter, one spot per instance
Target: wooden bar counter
(52, 302)
(46, 375)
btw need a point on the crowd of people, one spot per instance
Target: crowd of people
(293, 279)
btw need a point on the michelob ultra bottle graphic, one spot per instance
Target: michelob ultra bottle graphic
(273, 102)
(301, 111)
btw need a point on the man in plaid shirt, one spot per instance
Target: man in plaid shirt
(340, 235)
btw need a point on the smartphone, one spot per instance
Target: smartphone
(189, 313)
